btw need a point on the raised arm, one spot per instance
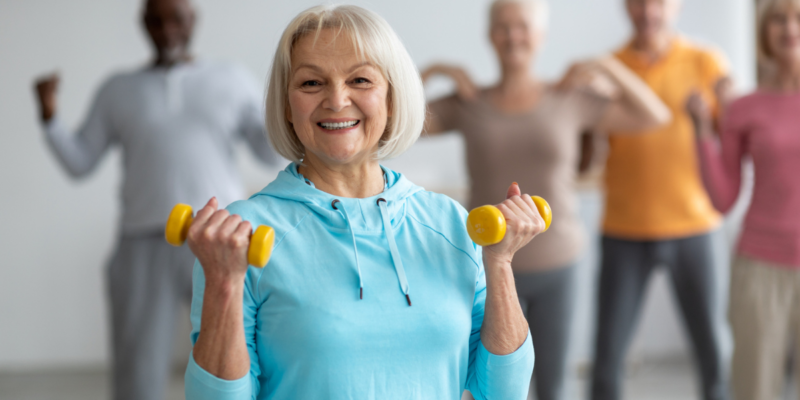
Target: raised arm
(78, 153)
(438, 118)
(501, 361)
(636, 108)
(223, 365)
(720, 155)
(633, 105)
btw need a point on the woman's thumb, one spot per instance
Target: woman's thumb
(513, 190)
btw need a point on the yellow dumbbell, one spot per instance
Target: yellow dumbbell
(181, 217)
(487, 226)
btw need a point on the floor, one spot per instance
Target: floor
(666, 380)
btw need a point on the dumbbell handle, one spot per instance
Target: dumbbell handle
(486, 225)
(182, 216)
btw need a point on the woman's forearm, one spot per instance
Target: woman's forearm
(221, 348)
(504, 327)
(637, 97)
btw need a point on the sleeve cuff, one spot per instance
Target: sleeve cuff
(200, 384)
(490, 360)
(50, 125)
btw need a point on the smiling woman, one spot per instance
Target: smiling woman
(388, 58)
(331, 315)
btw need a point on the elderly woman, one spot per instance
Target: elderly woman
(526, 130)
(374, 289)
(765, 279)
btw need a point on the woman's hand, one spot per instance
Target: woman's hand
(725, 92)
(465, 88)
(523, 222)
(220, 242)
(700, 113)
(591, 75)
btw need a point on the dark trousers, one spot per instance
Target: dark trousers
(147, 281)
(547, 299)
(625, 271)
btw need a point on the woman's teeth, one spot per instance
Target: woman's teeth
(338, 125)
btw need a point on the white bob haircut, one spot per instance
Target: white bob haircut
(377, 42)
(539, 10)
(765, 10)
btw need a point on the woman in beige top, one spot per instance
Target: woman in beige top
(528, 131)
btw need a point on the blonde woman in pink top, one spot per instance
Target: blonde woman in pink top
(528, 131)
(765, 128)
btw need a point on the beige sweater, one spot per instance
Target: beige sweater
(537, 149)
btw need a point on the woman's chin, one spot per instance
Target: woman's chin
(342, 157)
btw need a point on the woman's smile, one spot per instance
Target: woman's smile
(339, 125)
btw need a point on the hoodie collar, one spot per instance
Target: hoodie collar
(365, 217)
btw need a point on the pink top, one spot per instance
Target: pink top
(765, 127)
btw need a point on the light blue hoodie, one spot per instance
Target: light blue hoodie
(375, 298)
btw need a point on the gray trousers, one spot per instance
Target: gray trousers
(625, 271)
(547, 299)
(147, 281)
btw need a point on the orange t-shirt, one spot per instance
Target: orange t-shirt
(653, 184)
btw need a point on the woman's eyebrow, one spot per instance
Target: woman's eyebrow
(318, 69)
(359, 65)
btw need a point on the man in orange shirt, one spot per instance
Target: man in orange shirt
(657, 211)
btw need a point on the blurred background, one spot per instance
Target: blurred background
(56, 234)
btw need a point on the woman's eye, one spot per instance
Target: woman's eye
(360, 80)
(310, 84)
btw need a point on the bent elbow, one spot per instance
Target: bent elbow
(77, 170)
(662, 117)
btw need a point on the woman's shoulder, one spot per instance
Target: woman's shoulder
(427, 201)
(443, 217)
(751, 103)
(280, 214)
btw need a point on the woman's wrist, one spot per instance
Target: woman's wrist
(495, 261)
(224, 287)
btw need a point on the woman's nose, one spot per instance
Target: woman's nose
(338, 98)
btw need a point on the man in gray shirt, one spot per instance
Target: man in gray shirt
(176, 121)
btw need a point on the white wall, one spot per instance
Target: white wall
(56, 234)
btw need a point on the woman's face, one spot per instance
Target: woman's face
(514, 35)
(338, 102)
(782, 33)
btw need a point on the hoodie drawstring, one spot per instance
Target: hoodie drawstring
(398, 262)
(355, 248)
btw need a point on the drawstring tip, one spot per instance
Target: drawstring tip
(361, 293)
(408, 299)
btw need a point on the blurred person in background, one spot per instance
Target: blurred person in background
(176, 121)
(526, 130)
(657, 212)
(763, 127)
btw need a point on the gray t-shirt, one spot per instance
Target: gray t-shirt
(537, 149)
(176, 128)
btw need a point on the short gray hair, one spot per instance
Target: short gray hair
(538, 8)
(376, 41)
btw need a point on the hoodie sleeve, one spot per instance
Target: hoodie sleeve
(199, 384)
(491, 376)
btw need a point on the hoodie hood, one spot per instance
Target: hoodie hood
(372, 216)
(291, 185)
